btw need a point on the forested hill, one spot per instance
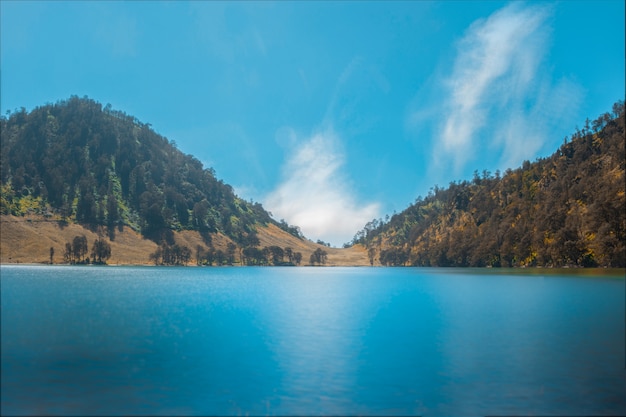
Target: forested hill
(565, 210)
(80, 162)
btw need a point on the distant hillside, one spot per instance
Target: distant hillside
(565, 210)
(28, 239)
(76, 162)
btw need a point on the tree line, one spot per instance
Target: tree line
(568, 209)
(273, 255)
(77, 250)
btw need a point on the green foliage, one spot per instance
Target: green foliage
(171, 255)
(100, 251)
(79, 249)
(255, 256)
(292, 230)
(98, 166)
(277, 254)
(565, 210)
(393, 257)
(270, 255)
(371, 255)
(318, 257)
(76, 251)
(297, 258)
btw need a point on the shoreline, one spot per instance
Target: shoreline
(530, 271)
(29, 239)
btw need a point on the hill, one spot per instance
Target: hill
(568, 209)
(28, 239)
(77, 168)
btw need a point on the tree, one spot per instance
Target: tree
(199, 254)
(184, 255)
(112, 211)
(157, 256)
(68, 255)
(277, 254)
(394, 257)
(171, 255)
(86, 208)
(219, 257)
(297, 258)
(318, 257)
(289, 254)
(371, 253)
(250, 239)
(230, 251)
(210, 256)
(100, 251)
(254, 256)
(51, 254)
(79, 248)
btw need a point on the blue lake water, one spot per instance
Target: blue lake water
(310, 341)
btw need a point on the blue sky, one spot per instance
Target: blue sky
(328, 113)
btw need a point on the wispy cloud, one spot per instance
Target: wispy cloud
(499, 93)
(316, 196)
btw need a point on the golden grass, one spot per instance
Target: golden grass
(273, 235)
(29, 239)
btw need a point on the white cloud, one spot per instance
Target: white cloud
(499, 93)
(314, 194)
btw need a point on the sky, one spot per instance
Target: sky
(330, 114)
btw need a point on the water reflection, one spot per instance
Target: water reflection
(309, 341)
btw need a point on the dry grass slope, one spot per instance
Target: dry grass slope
(29, 239)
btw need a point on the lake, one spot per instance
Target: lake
(310, 341)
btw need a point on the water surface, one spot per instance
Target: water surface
(310, 341)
